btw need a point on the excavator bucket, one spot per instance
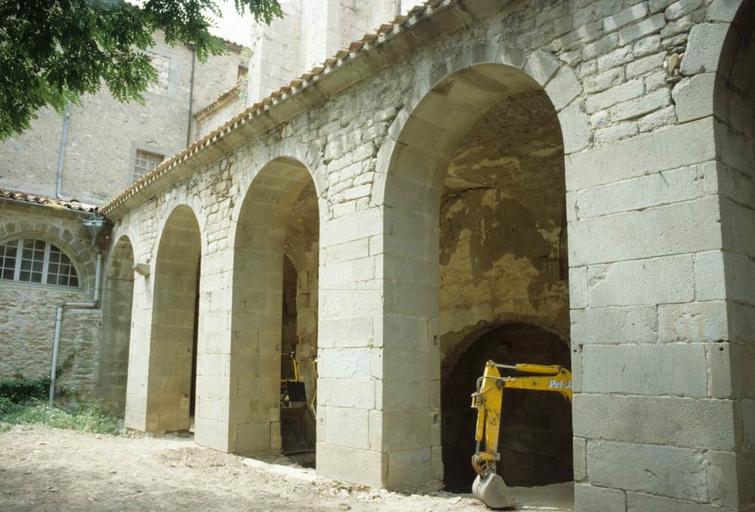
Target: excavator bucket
(492, 491)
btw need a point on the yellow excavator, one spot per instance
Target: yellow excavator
(489, 487)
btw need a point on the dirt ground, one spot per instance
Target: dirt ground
(46, 469)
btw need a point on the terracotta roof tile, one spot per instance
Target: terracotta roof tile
(50, 202)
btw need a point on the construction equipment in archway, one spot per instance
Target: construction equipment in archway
(488, 486)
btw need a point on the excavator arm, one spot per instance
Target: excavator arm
(489, 487)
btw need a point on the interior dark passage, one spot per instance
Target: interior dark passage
(194, 348)
(298, 425)
(299, 329)
(536, 432)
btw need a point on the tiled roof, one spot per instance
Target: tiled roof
(50, 202)
(400, 25)
(219, 101)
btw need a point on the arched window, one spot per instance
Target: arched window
(36, 261)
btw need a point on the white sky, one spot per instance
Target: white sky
(232, 26)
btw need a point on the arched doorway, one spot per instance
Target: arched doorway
(172, 392)
(475, 198)
(734, 110)
(117, 301)
(274, 348)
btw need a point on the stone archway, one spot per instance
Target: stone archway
(278, 222)
(475, 227)
(173, 342)
(734, 108)
(118, 294)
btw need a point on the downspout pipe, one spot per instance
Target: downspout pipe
(62, 151)
(191, 95)
(92, 304)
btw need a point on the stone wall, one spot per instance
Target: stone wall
(644, 245)
(27, 311)
(503, 242)
(311, 32)
(224, 108)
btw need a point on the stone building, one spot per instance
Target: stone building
(51, 179)
(526, 181)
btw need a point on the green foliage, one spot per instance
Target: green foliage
(22, 390)
(54, 51)
(6, 406)
(85, 418)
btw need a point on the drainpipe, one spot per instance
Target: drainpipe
(94, 225)
(191, 96)
(62, 151)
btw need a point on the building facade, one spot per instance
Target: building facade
(52, 178)
(549, 182)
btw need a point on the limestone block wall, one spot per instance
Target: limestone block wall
(27, 311)
(648, 315)
(310, 32)
(275, 52)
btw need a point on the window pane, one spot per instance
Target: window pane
(8, 259)
(145, 162)
(60, 270)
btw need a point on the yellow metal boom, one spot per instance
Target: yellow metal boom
(488, 400)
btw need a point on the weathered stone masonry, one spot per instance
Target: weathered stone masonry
(658, 170)
(27, 313)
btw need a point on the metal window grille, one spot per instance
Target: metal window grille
(36, 261)
(145, 162)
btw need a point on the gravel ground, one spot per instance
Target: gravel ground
(48, 469)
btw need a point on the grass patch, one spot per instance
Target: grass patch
(23, 401)
(84, 418)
